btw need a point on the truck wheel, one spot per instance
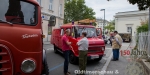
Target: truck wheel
(46, 70)
(55, 49)
(98, 59)
(72, 58)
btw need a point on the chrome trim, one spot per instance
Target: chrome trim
(9, 55)
(28, 60)
(2, 62)
(3, 53)
(44, 55)
(3, 70)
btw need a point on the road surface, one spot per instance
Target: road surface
(55, 62)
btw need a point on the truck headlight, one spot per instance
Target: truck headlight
(28, 66)
(103, 48)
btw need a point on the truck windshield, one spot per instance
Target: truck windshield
(18, 12)
(91, 32)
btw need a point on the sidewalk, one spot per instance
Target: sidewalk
(123, 66)
(46, 42)
(118, 66)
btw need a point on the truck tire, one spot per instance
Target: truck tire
(72, 58)
(55, 49)
(98, 59)
(46, 70)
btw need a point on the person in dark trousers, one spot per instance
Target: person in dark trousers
(66, 47)
(83, 45)
(103, 36)
(116, 45)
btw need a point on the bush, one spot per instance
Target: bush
(143, 28)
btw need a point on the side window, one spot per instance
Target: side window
(62, 31)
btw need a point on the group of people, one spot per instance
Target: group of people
(116, 42)
(82, 47)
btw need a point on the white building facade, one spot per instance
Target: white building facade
(100, 23)
(51, 8)
(127, 22)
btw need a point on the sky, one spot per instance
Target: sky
(111, 7)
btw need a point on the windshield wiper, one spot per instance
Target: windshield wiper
(6, 22)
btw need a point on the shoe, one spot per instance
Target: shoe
(68, 73)
(113, 60)
(117, 59)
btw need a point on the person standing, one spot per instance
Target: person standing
(111, 37)
(83, 45)
(66, 46)
(116, 45)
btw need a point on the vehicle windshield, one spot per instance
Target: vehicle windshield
(18, 12)
(91, 32)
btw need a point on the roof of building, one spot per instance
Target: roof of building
(97, 20)
(131, 13)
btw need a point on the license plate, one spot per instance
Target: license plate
(94, 56)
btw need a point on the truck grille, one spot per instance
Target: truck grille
(6, 65)
(90, 51)
(94, 49)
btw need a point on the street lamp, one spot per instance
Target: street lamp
(149, 21)
(104, 19)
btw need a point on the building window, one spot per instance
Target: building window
(39, 1)
(51, 5)
(60, 10)
(129, 29)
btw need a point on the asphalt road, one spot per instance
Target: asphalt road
(55, 62)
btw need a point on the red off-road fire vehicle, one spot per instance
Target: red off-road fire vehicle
(96, 45)
(21, 38)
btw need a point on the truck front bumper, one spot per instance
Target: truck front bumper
(92, 57)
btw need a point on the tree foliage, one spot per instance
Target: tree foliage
(143, 27)
(111, 26)
(76, 10)
(142, 4)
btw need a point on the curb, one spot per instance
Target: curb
(106, 64)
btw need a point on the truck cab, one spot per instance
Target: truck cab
(96, 46)
(21, 38)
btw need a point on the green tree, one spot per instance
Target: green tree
(76, 10)
(143, 27)
(111, 26)
(142, 4)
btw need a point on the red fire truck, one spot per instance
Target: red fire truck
(96, 45)
(21, 38)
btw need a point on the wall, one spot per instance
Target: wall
(46, 13)
(121, 22)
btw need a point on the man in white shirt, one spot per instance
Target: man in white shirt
(83, 45)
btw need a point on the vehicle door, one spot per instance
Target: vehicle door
(73, 40)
